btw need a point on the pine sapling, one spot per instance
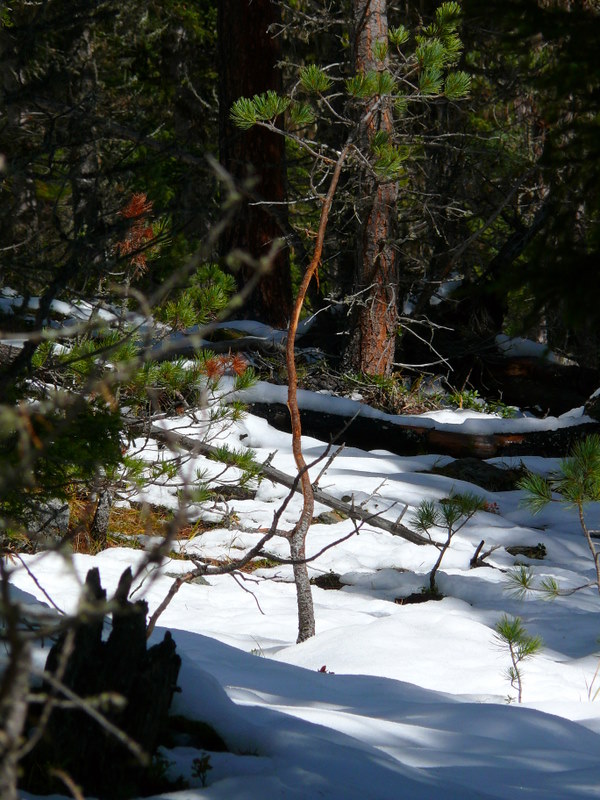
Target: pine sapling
(521, 645)
(576, 483)
(452, 513)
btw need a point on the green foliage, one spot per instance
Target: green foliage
(207, 294)
(135, 468)
(211, 290)
(380, 50)
(389, 160)
(364, 85)
(314, 80)
(301, 114)
(180, 313)
(577, 483)
(577, 480)
(245, 380)
(5, 17)
(469, 398)
(400, 105)
(457, 85)
(164, 385)
(440, 46)
(360, 86)
(430, 53)
(399, 35)
(43, 354)
(511, 633)
(244, 114)
(244, 460)
(447, 18)
(451, 513)
(200, 493)
(385, 84)
(448, 512)
(266, 107)
(48, 450)
(538, 492)
(520, 581)
(550, 588)
(431, 81)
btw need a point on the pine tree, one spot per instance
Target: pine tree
(390, 75)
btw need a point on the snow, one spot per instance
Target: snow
(526, 348)
(451, 420)
(388, 700)
(77, 311)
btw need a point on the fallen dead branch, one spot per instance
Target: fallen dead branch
(197, 447)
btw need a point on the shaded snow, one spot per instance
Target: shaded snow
(450, 420)
(416, 707)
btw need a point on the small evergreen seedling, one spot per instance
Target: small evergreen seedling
(577, 483)
(453, 513)
(521, 645)
(201, 767)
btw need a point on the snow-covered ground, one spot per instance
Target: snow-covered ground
(387, 700)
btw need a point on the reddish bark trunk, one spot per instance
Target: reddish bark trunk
(248, 56)
(373, 345)
(306, 616)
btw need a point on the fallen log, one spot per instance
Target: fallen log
(197, 447)
(373, 433)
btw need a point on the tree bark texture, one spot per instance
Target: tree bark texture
(92, 754)
(373, 343)
(306, 618)
(248, 56)
(13, 711)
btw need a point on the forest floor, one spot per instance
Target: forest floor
(390, 698)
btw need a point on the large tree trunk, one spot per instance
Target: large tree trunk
(248, 56)
(372, 346)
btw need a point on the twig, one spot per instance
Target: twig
(320, 552)
(68, 782)
(237, 580)
(175, 587)
(327, 464)
(38, 584)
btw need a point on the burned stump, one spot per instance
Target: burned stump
(129, 685)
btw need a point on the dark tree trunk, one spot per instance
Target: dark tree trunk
(372, 346)
(84, 162)
(248, 56)
(120, 666)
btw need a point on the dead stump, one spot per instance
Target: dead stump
(129, 685)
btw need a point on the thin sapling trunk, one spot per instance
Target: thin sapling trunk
(306, 616)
